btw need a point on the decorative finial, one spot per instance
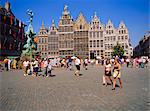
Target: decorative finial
(42, 23)
(53, 21)
(95, 14)
(66, 10)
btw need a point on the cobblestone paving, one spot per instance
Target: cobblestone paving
(65, 92)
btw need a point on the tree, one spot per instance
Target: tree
(118, 51)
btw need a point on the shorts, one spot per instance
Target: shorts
(116, 74)
(35, 69)
(78, 67)
(107, 73)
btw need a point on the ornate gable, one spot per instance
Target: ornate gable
(81, 23)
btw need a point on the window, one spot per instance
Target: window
(39, 40)
(118, 37)
(101, 34)
(98, 53)
(80, 26)
(97, 43)
(90, 34)
(107, 32)
(122, 38)
(94, 43)
(114, 38)
(97, 34)
(42, 40)
(93, 34)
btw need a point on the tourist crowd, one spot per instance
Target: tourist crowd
(111, 66)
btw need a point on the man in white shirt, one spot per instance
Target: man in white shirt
(77, 64)
(25, 67)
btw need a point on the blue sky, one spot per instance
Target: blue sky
(134, 13)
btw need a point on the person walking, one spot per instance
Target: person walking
(25, 67)
(14, 64)
(77, 64)
(117, 74)
(49, 74)
(45, 66)
(108, 73)
(127, 62)
(9, 64)
(35, 68)
(86, 61)
(6, 64)
(70, 63)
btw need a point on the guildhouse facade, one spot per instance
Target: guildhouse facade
(83, 39)
(53, 49)
(66, 34)
(42, 45)
(81, 46)
(96, 36)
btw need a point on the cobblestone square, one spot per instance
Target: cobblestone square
(66, 92)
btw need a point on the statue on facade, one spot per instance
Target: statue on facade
(29, 49)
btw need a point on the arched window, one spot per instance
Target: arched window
(80, 26)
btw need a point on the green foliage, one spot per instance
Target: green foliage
(118, 51)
